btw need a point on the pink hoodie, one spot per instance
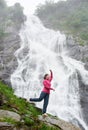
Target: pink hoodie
(47, 84)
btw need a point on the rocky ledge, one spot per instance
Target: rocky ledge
(50, 120)
(63, 125)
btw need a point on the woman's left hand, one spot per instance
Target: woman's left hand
(50, 70)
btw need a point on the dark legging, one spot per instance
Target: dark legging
(44, 96)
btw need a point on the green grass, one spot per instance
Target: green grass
(20, 104)
(9, 120)
(45, 127)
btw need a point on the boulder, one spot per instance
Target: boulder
(9, 114)
(5, 126)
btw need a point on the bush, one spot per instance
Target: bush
(84, 35)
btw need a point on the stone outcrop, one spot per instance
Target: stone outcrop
(8, 62)
(50, 120)
(77, 51)
(63, 125)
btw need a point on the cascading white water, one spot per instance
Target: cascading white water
(42, 49)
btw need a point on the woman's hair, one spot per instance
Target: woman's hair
(45, 76)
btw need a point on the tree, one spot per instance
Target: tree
(16, 13)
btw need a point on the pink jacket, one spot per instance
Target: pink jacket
(47, 84)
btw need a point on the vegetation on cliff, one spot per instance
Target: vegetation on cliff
(70, 15)
(10, 16)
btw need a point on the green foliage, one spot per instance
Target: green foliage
(28, 121)
(10, 16)
(6, 90)
(71, 15)
(45, 127)
(3, 17)
(84, 35)
(16, 14)
(20, 104)
(9, 120)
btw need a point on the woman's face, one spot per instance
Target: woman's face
(48, 77)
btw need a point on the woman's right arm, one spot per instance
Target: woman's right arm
(51, 75)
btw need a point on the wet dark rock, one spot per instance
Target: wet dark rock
(80, 53)
(83, 98)
(1, 99)
(8, 62)
(77, 51)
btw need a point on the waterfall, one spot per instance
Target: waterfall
(42, 49)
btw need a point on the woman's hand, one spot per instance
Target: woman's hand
(50, 70)
(53, 89)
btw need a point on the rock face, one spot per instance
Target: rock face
(83, 98)
(80, 53)
(63, 125)
(11, 20)
(8, 46)
(77, 51)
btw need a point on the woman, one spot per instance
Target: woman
(45, 92)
